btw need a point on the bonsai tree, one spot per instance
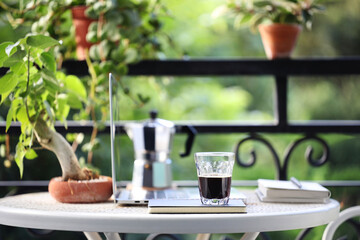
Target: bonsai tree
(38, 95)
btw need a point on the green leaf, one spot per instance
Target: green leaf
(3, 55)
(30, 154)
(60, 76)
(19, 157)
(41, 41)
(131, 55)
(48, 61)
(114, 17)
(241, 19)
(261, 4)
(74, 101)
(91, 37)
(9, 117)
(121, 69)
(50, 80)
(104, 48)
(8, 82)
(94, 53)
(49, 110)
(132, 18)
(15, 58)
(27, 141)
(10, 49)
(74, 85)
(4, 96)
(12, 111)
(256, 20)
(19, 68)
(21, 115)
(63, 108)
(107, 66)
(246, 18)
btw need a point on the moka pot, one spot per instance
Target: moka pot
(152, 145)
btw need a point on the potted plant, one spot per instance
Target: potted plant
(81, 24)
(124, 31)
(278, 21)
(39, 95)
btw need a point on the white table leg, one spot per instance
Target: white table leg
(112, 236)
(92, 236)
(250, 236)
(203, 236)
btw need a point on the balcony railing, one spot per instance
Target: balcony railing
(281, 70)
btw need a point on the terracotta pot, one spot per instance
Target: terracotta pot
(279, 40)
(91, 191)
(81, 23)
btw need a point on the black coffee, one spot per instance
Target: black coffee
(215, 187)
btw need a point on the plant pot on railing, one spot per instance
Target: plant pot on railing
(279, 22)
(81, 23)
(279, 40)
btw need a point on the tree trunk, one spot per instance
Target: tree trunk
(56, 143)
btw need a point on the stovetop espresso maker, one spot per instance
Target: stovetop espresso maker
(152, 141)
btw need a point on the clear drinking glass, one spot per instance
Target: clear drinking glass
(214, 170)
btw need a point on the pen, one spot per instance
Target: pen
(296, 182)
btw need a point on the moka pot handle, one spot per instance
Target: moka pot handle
(191, 132)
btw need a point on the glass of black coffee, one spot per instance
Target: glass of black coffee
(214, 170)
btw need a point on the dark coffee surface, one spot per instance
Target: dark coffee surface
(215, 187)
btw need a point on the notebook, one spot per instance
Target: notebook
(291, 191)
(194, 206)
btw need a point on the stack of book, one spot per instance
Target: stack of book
(291, 191)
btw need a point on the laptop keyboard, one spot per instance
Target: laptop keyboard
(175, 194)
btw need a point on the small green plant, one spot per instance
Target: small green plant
(255, 12)
(38, 95)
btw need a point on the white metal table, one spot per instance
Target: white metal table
(39, 210)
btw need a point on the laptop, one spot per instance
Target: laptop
(142, 196)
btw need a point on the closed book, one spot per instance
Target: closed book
(289, 199)
(290, 191)
(194, 206)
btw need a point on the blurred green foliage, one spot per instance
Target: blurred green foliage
(335, 33)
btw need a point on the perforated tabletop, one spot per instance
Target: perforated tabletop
(40, 210)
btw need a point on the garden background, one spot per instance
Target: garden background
(196, 34)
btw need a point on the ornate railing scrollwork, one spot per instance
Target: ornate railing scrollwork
(255, 137)
(281, 170)
(308, 153)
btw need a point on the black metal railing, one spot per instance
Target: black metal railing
(279, 69)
